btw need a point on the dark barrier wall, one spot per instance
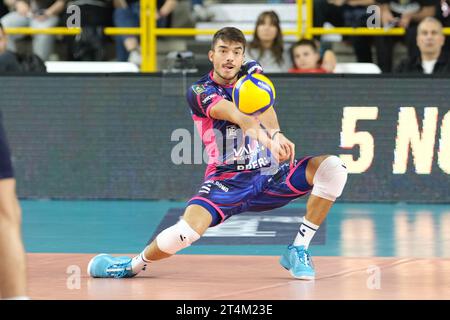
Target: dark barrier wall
(89, 137)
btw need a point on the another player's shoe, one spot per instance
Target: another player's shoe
(106, 266)
(298, 261)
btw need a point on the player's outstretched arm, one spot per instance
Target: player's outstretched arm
(225, 110)
(270, 121)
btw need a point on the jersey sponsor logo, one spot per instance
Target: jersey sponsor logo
(247, 150)
(231, 132)
(206, 98)
(205, 188)
(198, 88)
(248, 153)
(221, 186)
(260, 163)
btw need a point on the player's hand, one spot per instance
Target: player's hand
(251, 66)
(287, 148)
(277, 151)
(283, 149)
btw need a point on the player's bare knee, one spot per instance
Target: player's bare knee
(177, 237)
(330, 178)
(198, 218)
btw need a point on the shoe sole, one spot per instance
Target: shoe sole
(309, 278)
(288, 268)
(90, 263)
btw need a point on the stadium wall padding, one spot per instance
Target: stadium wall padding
(109, 136)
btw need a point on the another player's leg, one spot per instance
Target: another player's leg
(187, 230)
(328, 176)
(12, 253)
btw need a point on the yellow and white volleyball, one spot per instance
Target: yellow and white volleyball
(253, 94)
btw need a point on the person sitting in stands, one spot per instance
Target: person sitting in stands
(305, 58)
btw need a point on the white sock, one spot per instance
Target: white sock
(305, 234)
(139, 263)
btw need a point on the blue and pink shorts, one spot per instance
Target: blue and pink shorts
(228, 194)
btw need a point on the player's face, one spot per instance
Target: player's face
(3, 41)
(267, 31)
(227, 59)
(305, 57)
(430, 38)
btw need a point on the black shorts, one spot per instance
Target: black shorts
(6, 169)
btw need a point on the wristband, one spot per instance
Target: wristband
(278, 131)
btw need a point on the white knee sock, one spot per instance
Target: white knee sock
(306, 233)
(139, 263)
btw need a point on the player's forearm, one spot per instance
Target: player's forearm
(269, 120)
(251, 127)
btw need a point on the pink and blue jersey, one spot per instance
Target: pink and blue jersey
(227, 148)
(235, 179)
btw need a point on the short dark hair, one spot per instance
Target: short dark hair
(303, 42)
(229, 34)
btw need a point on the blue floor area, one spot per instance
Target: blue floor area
(359, 230)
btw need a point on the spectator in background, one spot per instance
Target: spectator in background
(200, 10)
(430, 40)
(35, 14)
(14, 62)
(267, 46)
(348, 13)
(406, 14)
(305, 58)
(127, 15)
(8, 60)
(443, 14)
(90, 44)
